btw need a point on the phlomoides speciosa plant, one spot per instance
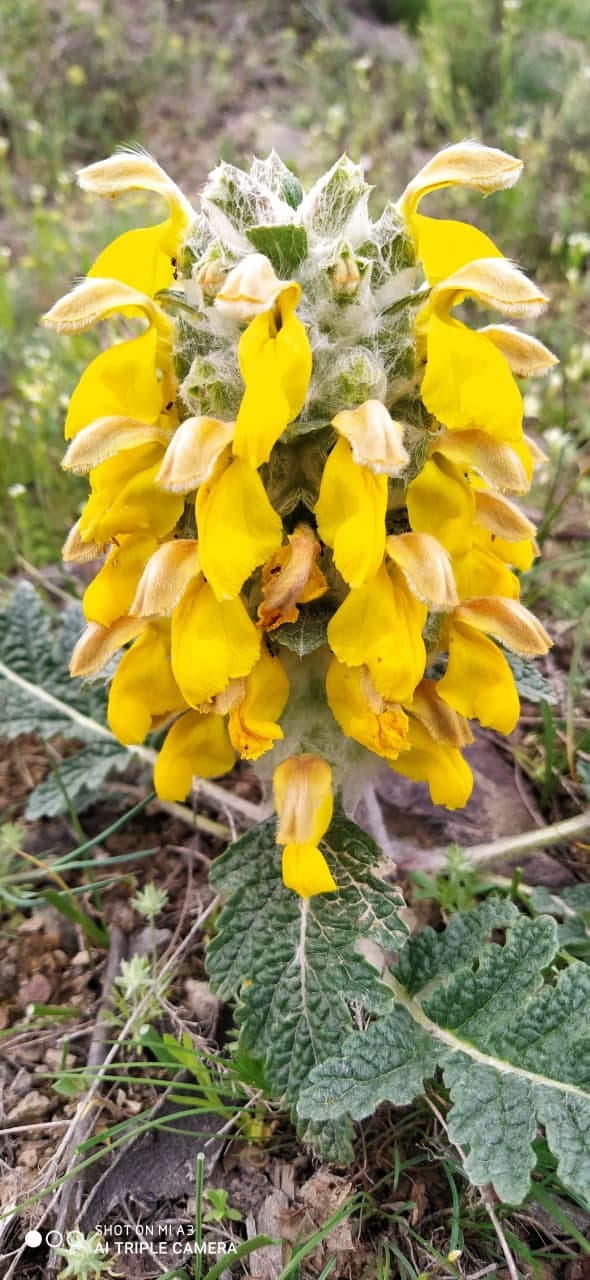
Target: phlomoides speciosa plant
(302, 470)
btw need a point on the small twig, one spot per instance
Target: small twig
(64, 1149)
(69, 1202)
(485, 1195)
(520, 845)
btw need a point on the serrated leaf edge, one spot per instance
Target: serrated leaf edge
(457, 1045)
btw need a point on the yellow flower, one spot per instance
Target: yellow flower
(363, 714)
(303, 800)
(290, 578)
(275, 362)
(111, 593)
(144, 692)
(213, 642)
(196, 746)
(441, 503)
(133, 379)
(375, 438)
(444, 245)
(468, 382)
(125, 498)
(449, 778)
(143, 258)
(478, 682)
(436, 735)
(380, 625)
(237, 525)
(107, 437)
(350, 513)
(253, 726)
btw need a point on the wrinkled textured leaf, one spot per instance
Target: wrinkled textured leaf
(513, 1046)
(432, 955)
(530, 682)
(82, 776)
(39, 696)
(294, 964)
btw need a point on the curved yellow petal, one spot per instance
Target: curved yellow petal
(464, 164)
(306, 871)
(137, 506)
(97, 644)
(498, 464)
(143, 688)
(213, 642)
(375, 438)
(252, 287)
(427, 568)
(302, 787)
(380, 625)
(121, 381)
(193, 452)
(238, 527)
(442, 723)
(507, 620)
(97, 298)
(136, 170)
(468, 382)
(482, 570)
(253, 726)
(441, 503)
(196, 746)
(350, 513)
(107, 437)
(491, 282)
(443, 246)
(449, 778)
(363, 714)
(138, 259)
(110, 594)
(478, 682)
(290, 578)
(165, 578)
(527, 357)
(501, 517)
(276, 368)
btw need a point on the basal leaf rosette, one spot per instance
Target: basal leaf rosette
(302, 465)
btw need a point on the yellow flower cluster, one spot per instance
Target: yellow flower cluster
(405, 554)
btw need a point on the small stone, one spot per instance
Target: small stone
(203, 1005)
(36, 991)
(54, 1059)
(33, 1107)
(29, 1157)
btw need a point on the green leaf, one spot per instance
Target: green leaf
(67, 907)
(294, 963)
(38, 693)
(275, 175)
(82, 776)
(433, 955)
(39, 696)
(531, 684)
(309, 632)
(285, 246)
(512, 1043)
(328, 207)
